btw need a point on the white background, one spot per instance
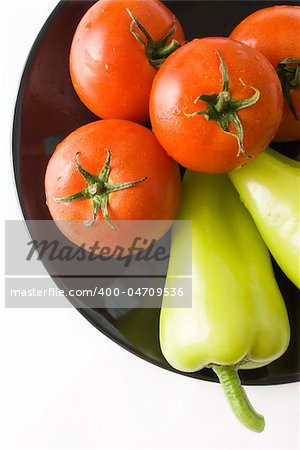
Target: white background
(66, 385)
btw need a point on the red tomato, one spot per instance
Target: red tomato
(275, 32)
(138, 182)
(207, 122)
(109, 66)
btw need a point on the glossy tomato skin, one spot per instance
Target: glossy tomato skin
(275, 32)
(193, 70)
(109, 67)
(135, 154)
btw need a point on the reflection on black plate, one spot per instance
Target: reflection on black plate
(48, 109)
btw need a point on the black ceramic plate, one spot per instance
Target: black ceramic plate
(48, 109)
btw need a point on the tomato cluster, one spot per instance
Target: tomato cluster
(214, 104)
(282, 49)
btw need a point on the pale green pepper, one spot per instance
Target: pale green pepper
(269, 186)
(238, 318)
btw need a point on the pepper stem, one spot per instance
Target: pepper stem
(237, 398)
(156, 51)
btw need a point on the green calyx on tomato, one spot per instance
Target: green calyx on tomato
(98, 189)
(156, 51)
(288, 71)
(223, 109)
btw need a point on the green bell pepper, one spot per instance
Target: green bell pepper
(238, 318)
(269, 186)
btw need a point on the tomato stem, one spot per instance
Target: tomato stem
(288, 71)
(156, 51)
(237, 398)
(98, 188)
(223, 100)
(164, 52)
(223, 109)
